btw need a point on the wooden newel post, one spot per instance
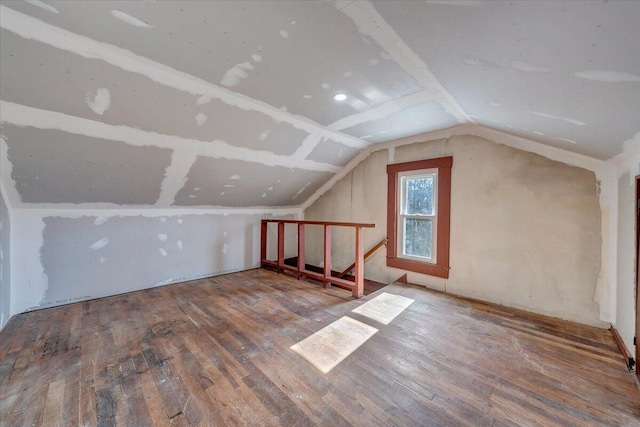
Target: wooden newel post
(358, 289)
(327, 255)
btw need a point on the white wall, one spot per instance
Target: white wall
(5, 271)
(60, 257)
(625, 316)
(526, 230)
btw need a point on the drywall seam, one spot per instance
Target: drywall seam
(7, 183)
(629, 159)
(337, 177)
(21, 115)
(499, 137)
(504, 138)
(370, 23)
(104, 212)
(33, 29)
(387, 109)
(307, 146)
(176, 175)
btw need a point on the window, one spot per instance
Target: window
(418, 216)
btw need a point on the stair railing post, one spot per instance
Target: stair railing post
(358, 289)
(327, 255)
(301, 261)
(280, 246)
(263, 242)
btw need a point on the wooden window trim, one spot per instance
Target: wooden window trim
(441, 267)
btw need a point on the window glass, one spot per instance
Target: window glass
(419, 195)
(417, 237)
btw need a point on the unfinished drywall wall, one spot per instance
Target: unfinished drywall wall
(625, 316)
(525, 230)
(5, 271)
(65, 258)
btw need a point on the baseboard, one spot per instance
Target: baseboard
(623, 348)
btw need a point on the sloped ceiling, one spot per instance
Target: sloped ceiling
(229, 104)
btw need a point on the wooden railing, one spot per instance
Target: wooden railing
(370, 252)
(357, 287)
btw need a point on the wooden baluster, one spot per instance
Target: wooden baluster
(327, 255)
(280, 246)
(263, 242)
(301, 261)
(358, 289)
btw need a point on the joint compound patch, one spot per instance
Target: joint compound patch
(100, 102)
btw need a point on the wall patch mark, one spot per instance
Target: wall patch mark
(607, 76)
(528, 68)
(100, 244)
(100, 102)
(200, 119)
(125, 17)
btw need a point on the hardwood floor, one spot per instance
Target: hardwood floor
(217, 352)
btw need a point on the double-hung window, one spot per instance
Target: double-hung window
(417, 219)
(418, 216)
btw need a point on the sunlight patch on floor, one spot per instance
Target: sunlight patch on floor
(332, 344)
(384, 308)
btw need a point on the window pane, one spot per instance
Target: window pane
(417, 237)
(419, 196)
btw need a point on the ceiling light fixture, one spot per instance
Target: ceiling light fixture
(339, 96)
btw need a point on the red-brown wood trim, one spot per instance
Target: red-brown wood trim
(444, 216)
(402, 279)
(263, 240)
(336, 224)
(440, 162)
(441, 269)
(301, 245)
(392, 213)
(280, 244)
(418, 267)
(327, 252)
(357, 286)
(358, 289)
(628, 359)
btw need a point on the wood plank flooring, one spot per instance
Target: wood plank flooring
(217, 352)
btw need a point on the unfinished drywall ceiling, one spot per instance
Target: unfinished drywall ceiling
(252, 83)
(271, 185)
(59, 167)
(565, 73)
(71, 84)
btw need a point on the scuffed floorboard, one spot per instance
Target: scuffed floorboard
(218, 352)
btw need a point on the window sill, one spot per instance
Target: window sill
(418, 267)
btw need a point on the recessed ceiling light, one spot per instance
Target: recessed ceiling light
(339, 96)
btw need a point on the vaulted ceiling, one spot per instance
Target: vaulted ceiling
(230, 104)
